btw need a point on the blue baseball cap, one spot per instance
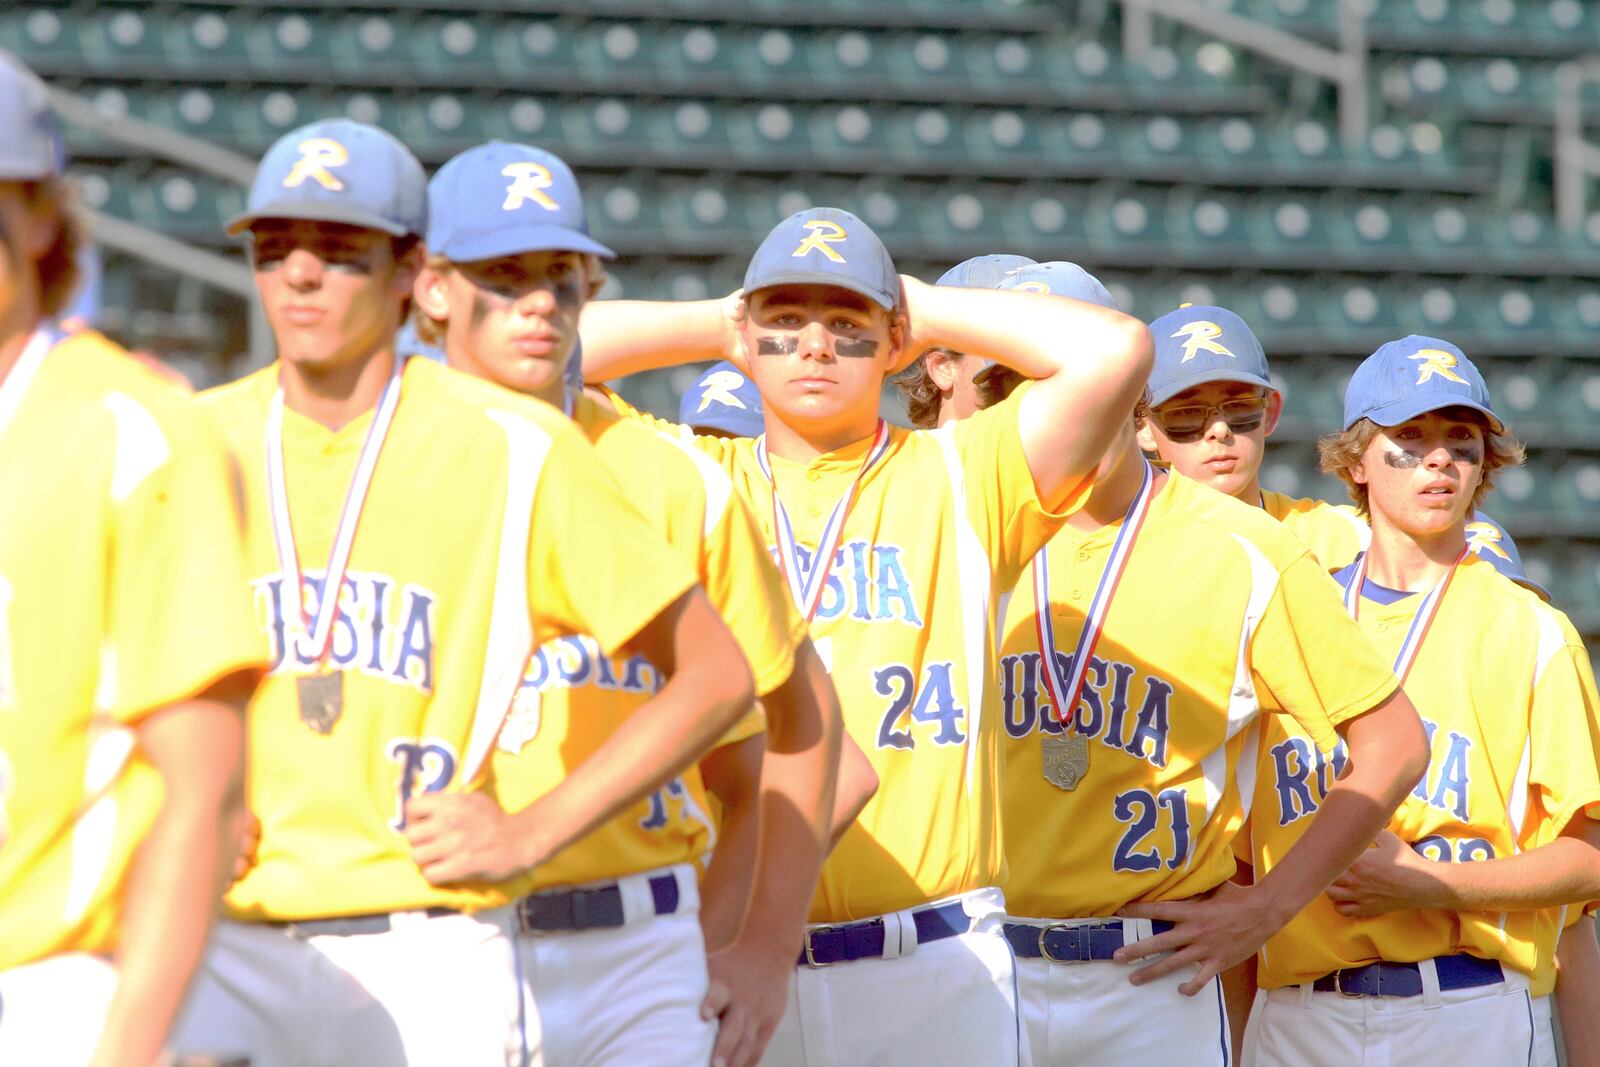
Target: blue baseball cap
(1203, 343)
(1061, 279)
(1411, 376)
(1493, 543)
(723, 398)
(31, 146)
(501, 199)
(825, 246)
(1057, 277)
(983, 272)
(340, 170)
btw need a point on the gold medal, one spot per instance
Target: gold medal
(321, 699)
(1066, 758)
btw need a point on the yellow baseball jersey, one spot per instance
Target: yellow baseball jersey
(573, 697)
(121, 592)
(459, 570)
(942, 525)
(1335, 533)
(1220, 615)
(1508, 702)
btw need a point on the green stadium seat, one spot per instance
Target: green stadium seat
(696, 56)
(1280, 307)
(1525, 495)
(454, 51)
(1524, 394)
(933, 138)
(549, 46)
(1368, 228)
(918, 62)
(1010, 141)
(773, 57)
(616, 129)
(1049, 219)
(1447, 233)
(1577, 401)
(1005, 67)
(626, 213)
(1443, 309)
(108, 190)
(51, 39)
(772, 134)
(437, 125)
(851, 134)
(1577, 493)
(186, 206)
(1290, 225)
(1232, 145)
(1126, 217)
(1577, 584)
(288, 45)
(692, 131)
(126, 41)
(1209, 224)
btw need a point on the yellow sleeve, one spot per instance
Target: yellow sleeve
(1313, 659)
(1002, 501)
(746, 589)
(1564, 746)
(178, 610)
(595, 566)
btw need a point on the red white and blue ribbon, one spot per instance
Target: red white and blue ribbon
(320, 630)
(22, 371)
(806, 587)
(1419, 625)
(1065, 689)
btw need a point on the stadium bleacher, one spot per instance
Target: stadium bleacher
(1201, 171)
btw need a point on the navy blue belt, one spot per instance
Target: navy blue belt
(589, 909)
(1078, 942)
(352, 925)
(827, 945)
(1385, 979)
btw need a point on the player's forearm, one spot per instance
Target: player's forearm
(1564, 871)
(623, 337)
(725, 891)
(1577, 993)
(799, 773)
(1388, 753)
(662, 737)
(174, 886)
(858, 783)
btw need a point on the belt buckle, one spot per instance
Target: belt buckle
(1338, 984)
(811, 959)
(1045, 951)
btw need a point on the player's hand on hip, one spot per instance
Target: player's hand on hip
(462, 837)
(1210, 934)
(1389, 876)
(749, 991)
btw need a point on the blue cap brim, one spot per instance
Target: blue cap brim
(317, 211)
(887, 301)
(517, 240)
(1202, 376)
(1407, 408)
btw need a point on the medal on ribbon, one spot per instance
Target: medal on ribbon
(1065, 751)
(320, 693)
(806, 587)
(1419, 625)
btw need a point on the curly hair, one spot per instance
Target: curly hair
(1338, 453)
(57, 270)
(921, 393)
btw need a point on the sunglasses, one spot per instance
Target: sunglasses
(1190, 422)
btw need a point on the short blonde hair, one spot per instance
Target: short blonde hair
(1338, 454)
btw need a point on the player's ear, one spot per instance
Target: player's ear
(1146, 437)
(1274, 411)
(942, 366)
(430, 294)
(595, 272)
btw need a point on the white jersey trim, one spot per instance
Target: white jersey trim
(978, 626)
(510, 644)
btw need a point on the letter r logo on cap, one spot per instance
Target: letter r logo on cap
(823, 234)
(316, 156)
(1201, 336)
(1031, 287)
(528, 182)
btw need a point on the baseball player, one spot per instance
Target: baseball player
(126, 651)
(1212, 407)
(401, 589)
(897, 545)
(1577, 954)
(1443, 935)
(511, 263)
(943, 385)
(1124, 808)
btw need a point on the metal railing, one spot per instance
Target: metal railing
(1577, 158)
(1345, 66)
(155, 247)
